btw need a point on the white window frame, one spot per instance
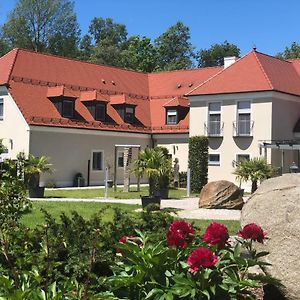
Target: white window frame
(241, 154)
(217, 112)
(171, 112)
(2, 103)
(214, 163)
(118, 155)
(240, 112)
(92, 161)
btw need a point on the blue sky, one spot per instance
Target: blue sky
(269, 24)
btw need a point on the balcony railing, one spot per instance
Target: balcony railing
(214, 128)
(243, 128)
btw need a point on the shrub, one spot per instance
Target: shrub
(198, 162)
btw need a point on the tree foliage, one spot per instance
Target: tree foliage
(175, 50)
(198, 162)
(290, 52)
(43, 26)
(214, 56)
(255, 169)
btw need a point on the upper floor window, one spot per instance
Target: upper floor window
(1, 108)
(243, 120)
(67, 108)
(214, 119)
(129, 114)
(172, 117)
(100, 111)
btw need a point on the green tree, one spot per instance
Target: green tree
(110, 40)
(43, 25)
(290, 52)
(214, 56)
(140, 55)
(255, 169)
(4, 47)
(175, 50)
(85, 47)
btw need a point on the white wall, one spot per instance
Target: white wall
(70, 150)
(13, 128)
(229, 146)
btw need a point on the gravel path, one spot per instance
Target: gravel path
(188, 207)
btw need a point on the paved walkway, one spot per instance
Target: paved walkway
(188, 207)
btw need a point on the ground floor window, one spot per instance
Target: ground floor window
(120, 159)
(213, 159)
(1, 108)
(97, 160)
(240, 157)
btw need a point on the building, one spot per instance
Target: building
(77, 113)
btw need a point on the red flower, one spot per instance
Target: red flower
(253, 232)
(216, 234)
(180, 234)
(123, 240)
(201, 257)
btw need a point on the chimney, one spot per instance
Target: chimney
(228, 61)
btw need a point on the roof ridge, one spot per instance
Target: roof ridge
(263, 70)
(221, 71)
(184, 70)
(274, 57)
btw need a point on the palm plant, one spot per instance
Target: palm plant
(255, 170)
(154, 164)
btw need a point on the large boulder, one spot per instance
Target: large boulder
(276, 207)
(221, 194)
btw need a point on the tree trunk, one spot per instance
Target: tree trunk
(254, 186)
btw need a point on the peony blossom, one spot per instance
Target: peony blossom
(216, 234)
(124, 239)
(252, 232)
(180, 234)
(201, 257)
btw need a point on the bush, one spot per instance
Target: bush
(198, 162)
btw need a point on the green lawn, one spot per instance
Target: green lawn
(99, 193)
(87, 209)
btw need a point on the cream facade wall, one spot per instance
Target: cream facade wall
(228, 146)
(14, 130)
(285, 114)
(71, 149)
(178, 147)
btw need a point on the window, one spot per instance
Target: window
(240, 157)
(1, 108)
(68, 108)
(243, 126)
(129, 114)
(214, 119)
(97, 160)
(120, 159)
(213, 159)
(172, 117)
(100, 112)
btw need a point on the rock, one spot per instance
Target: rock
(221, 194)
(275, 206)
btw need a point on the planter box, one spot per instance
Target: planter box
(146, 200)
(36, 192)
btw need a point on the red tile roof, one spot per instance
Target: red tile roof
(33, 77)
(253, 72)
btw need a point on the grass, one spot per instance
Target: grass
(99, 193)
(87, 209)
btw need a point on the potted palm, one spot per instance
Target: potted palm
(33, 167)
(255, 170)
(156, 165)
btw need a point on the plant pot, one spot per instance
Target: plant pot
(146, 200)
(36, 192)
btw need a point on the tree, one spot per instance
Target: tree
(214, 56)
(43, 25)
(85, 47)
(174, 49)
(255, 169)
(110, 40)
(140, 55)
(292, 52)
(4, 47)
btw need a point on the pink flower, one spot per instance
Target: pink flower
(180, 234)
(201, 257)
(252, 232)
(216, 234)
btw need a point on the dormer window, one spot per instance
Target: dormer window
(172, 116)
(100, 112)
(67, 108)
(129, 114)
